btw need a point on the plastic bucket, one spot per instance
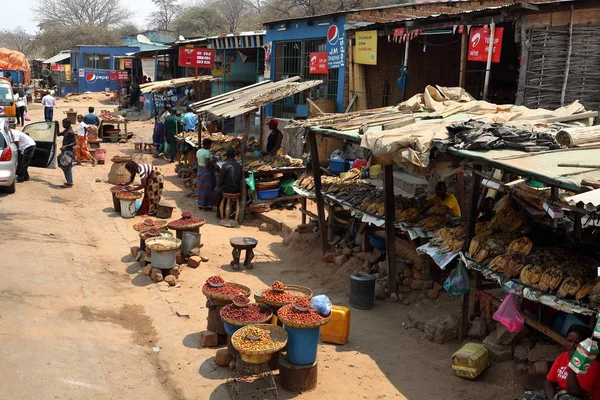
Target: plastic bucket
(337, 166)
(362, 291)
(116, 203)
(100, 155)
(230, 329)
(302, 345)
(127, 208)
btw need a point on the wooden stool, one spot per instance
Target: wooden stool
(138, 145)
(226, 205)
(297, 378)
(148, 147)
(239, 244)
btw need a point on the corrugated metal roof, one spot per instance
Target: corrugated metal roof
(63, 55)
(251, 98)
(163, 86)
(543, 166)
(590, 200)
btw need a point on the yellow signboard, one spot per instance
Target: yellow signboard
(366, 48)
(67, 72)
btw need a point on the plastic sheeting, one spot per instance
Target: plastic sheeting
(15, 60)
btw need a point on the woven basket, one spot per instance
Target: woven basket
(241, 323)
(142, 227)
(302, 326)
(221, 298)
(189, 227)
(118, 174)
(293, 289)
(163, 243)
(262, 356)
(131, 196)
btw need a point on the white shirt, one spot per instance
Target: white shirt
(21, 101)
(81, 128)
(48, 101)
(145, 170)
(24, 140)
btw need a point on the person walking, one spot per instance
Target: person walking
(172, 128)
(49, 102)
(21, 103)
(82, 149)
(26, 147)
(91, 118)
(152, 183)
(68, 145)
(205, 179)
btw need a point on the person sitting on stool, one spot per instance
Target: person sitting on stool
(228, 181)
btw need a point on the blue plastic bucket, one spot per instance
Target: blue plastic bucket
(302, 345)
(230, 329)
(267, 194)
(337, 166)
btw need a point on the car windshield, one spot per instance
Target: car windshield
(6, 96)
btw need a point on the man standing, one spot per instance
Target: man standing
(189, 119)
(228, 181)
(90, 118)
(26, 149)
(275, 138)
(49, 102)
(172, 128)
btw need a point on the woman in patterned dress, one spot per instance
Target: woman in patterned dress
(205, 181)
(152, 183)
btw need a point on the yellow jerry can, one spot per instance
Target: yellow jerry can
(470, 361)
(337, 330)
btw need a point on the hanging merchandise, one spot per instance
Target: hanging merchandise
(508, 314)
(458, 282)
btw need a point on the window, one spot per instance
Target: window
(96, 61)
(292, 59)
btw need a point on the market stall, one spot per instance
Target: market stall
(110, 127)
(256, 165)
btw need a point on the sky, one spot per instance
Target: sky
(21, 10)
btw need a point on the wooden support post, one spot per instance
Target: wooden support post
(488, 65)
(316, 170)
(303, 203)
(244, 188)
(568, 63)
(330, 221)
(262, 127)
(471, 220)
(464, 45)
(405, 67)
(390, 229)
(524, 61)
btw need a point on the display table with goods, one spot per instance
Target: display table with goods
(186, 223)
(278, 295)
(107, 129)
(163, 251)
(127, 200)
(241, 313)
(218, 294)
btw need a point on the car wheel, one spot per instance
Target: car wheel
(12, 188)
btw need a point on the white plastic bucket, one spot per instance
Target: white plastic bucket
(127, 208)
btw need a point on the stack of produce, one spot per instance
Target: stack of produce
(279, 294)
(449, 239)
(186, 222)
(260, 339)
(300, 313)
(107, 116)
(216, 286)
(241, 316)
(129, 196)
(149, 224)
(267, 162)
(221, 142)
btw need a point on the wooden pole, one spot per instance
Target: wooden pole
(390, 229)
(568, 63)
(262, 127)
(524, 61)
(471, 220)
(488, 65)
(316, 170)
(464, 45)
(405, 67)
(244, 189)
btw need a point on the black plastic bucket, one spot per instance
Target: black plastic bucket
(362, 291)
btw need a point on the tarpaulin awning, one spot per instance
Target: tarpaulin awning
(63, 55)
(251, 98)
(163, 86)
(542, 166)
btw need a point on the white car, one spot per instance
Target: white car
(43, 133)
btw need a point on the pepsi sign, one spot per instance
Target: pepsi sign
(336, 47)
(91, 77)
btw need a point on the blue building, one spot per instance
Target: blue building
(289, 45)
(91, 67)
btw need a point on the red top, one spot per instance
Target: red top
(590, 381)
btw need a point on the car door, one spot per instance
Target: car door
(44, 134)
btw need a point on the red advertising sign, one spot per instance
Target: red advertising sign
(196, 57)
(57, 67)
(120, 75)
(127, 63)
(318, 63)
(479, 43)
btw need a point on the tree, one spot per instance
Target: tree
(163, 17)
(200, 20)
(232, 12)
(16, 39)
(92, 13)
(52, 40)
(127, 29)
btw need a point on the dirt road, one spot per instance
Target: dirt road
(79, 321)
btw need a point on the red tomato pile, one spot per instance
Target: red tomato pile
(227, 290)
(290, 313)
(277, 285)
(302, 302)
(251, 314)
(278, 297)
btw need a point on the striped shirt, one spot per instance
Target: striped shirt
(145, 170)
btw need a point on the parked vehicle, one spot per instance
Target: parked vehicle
(43, 133)
(8, 107)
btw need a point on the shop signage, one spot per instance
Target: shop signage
(366, 48)
(479, 42)
(119, 75)
(81, 72)
(318, 63)
(127, 63)
(336, 47)
(57, 67)
(196, 57)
